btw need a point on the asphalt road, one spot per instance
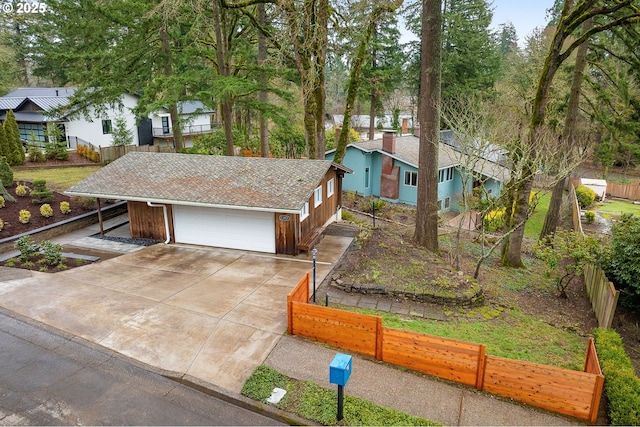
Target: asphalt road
(47, 379)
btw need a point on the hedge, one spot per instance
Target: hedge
(621, 385)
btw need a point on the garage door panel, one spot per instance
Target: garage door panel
(226, 228)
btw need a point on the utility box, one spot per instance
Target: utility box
(340, 369)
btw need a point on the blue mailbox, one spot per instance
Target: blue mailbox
(340, 369)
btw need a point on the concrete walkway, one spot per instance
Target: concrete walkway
(210, 316)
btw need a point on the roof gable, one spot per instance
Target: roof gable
(282, 185)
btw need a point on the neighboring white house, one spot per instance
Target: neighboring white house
(195, 116)
(30, 106)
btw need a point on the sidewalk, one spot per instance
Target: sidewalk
(416, 394)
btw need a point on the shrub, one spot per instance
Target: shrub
(621, 385)
(622, 266)
(35, 154)
(52, 253)
(494, 219)
(40, 193)
(46, 210)
(56, 150)
(590, 216)
(64, 207)
(6, 174)
(22, 190)
(25, 216)
(2, 202)
(1, 224)
(26, 247)
(585, 196)
(87, 203)
(370, 203)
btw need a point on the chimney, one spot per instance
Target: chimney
(389, 141)
(405, 126)
(57, 92)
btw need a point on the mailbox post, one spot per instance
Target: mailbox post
(339, 373)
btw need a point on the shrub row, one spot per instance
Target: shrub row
(45, 210)
(88, 152)
(621, 385)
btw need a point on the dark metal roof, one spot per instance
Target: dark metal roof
(282, 185)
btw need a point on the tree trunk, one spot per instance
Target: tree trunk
(262, 81)
(223, 71)
(176, 126)
(426, 232)
(372, 115)
(552, 218)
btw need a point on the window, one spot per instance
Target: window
(317, 197)
(32, 133)
(445, 174)
(330, 187)
(367, 172)
(304, 212)
(106, 126)
(447, 203)
(411, 178)
(439, 205)
(165, 125)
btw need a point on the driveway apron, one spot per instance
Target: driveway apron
(209, 314)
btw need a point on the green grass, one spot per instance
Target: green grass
(533, 227)
(615, 208)
(318, 404)
(509, 334)
(58, 179)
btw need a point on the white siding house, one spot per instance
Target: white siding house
(195, 116)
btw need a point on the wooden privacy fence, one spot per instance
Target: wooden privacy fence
(615, 189)
(564, 391)
(602, 293)
(114, 152)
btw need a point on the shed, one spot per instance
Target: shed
(597, 185)
(257, 204)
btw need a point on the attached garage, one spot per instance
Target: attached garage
(225, 228)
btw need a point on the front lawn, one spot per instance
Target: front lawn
(58, 179)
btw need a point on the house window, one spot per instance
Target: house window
(33, 133)
(367, 173)
(411, 178)
(317, 197)
(449, 174)
(447, 203)
(106, 126)
(304, 212)
(439, 205)
(330, 187)
(165, 125)
(445, 174)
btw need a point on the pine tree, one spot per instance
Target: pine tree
(4, 143)
(15, 155)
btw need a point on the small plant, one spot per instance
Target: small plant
(65, 208)
(46, 210)
(88, 203)
(494, 220)
(24, 216)
(585, 196)
(371, 204)
(52, 253)
(2, 202)
(40, 192)
(1, 224)
(590, 216)
(35, 154)
(22, 190)
(26, 246)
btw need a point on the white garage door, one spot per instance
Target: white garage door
(225, 228)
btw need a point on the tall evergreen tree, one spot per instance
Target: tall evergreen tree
(4, 143)
(508, 39)
(15, 155)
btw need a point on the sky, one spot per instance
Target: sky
(524, 14)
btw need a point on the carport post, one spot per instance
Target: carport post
(314, 251)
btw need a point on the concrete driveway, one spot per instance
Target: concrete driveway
(207, 314)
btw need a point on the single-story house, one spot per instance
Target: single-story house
(388, 168)
(258, 204)
(196, 118)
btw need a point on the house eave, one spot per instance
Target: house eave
(183, 202)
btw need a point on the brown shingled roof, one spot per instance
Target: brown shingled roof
(282, 185)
